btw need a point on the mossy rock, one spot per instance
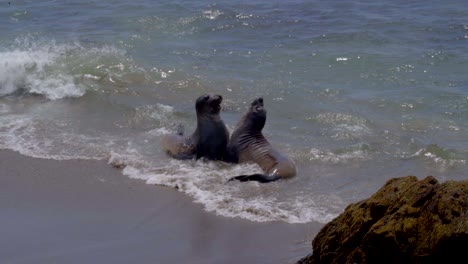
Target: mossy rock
(406, 221)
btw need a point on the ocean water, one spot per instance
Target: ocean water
(357, 92)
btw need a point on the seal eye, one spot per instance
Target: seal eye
(206, 97)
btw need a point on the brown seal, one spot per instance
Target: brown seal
(210, 138)
(247, 144)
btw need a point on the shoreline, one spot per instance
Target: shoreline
(80, 211)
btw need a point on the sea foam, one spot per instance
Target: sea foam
(207, 183)
(37, 69)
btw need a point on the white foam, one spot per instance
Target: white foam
(441, 163)
(159, 131)
(15, 133)
(212, 14)
(345, 126)
(4, 108)
(37, 69)
(39, 139)
(57, 71)
(91, 77)
(335, 158)
(158, 114)
(162, 111)
(206, 183)
(56, 87)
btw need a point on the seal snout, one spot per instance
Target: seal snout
(257, 105)
(209, 103)
(217, 98)
(215, 102)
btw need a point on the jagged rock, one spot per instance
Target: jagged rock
(406, 221)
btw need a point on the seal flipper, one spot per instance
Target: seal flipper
(262, 178)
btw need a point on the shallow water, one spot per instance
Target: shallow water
(356, 92)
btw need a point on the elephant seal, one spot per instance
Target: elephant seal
(210, 138)
(247, 144)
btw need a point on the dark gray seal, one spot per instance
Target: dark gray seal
(210, 138)
(247, 144)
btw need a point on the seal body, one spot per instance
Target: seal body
(247, 144)
(210, 138)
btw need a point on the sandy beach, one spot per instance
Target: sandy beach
(88, 212)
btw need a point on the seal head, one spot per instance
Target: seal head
(208, 104)
(255, 118)
(210, 138)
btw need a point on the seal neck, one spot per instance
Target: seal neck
(252, 123)
(204, 117)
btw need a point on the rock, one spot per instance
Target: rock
(406, 221)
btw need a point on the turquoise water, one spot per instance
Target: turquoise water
(357, 92)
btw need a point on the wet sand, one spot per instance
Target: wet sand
(88, 212)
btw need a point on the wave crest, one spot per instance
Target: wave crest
(37, 69)
(56, 71)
